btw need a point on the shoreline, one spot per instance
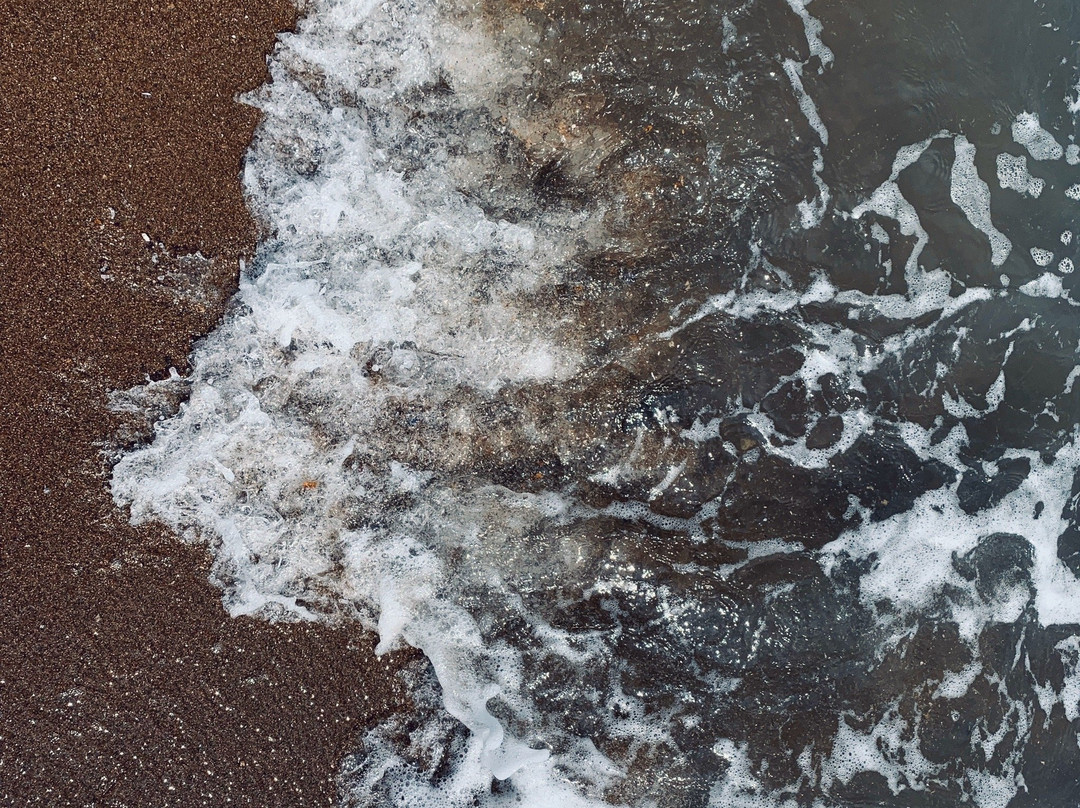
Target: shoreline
(122, 678)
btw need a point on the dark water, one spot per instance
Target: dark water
(702, 92)
(820, 546)
(705, 79)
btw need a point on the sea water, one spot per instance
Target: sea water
(694, 384)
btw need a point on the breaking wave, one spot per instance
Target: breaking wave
(711, 433)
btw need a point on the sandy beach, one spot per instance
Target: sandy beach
(692, 386)
(122, 680)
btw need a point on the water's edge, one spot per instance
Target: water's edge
(692, 385)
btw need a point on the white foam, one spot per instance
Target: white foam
(911, 573)
(992, 791)
(887, 200)
(1013, 174)
(329, 447)
(388, 290)
(811, 212)
(972, 195)
(855, 423)
(1069, 649)
(1041, 257)
(957, 683)
(1074, 102)
(1046, 285)
(888, 748)
(739, 787)
(1040, 144)
(813, 28)
(809, 109)
(730, 33)
(831, 350)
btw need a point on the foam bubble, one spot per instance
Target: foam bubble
(992, 791)
(330, 408)
(739, 787)
(813, 28)
(1013, 174)
(1040, 144)
(972, 195)
(403, 351)
(1069, 649)
(911, 573)
(806, 103)
(1046, 285)
(888, 748)
(1041, 257)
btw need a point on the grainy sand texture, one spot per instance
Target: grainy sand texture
(122, 224)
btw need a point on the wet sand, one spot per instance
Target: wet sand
(122, 680)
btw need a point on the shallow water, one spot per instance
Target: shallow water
(692, 383)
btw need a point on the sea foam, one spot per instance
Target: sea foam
(384, 310)
(410, 418)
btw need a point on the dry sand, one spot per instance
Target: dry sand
(122, 681)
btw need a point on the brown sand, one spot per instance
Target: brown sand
(122, 681)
